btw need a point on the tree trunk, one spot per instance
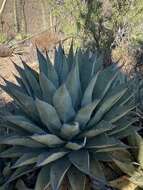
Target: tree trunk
(23, 16)
(20, 19)
(43, 10)
(15, 16)
(2, 6)
(1, 12)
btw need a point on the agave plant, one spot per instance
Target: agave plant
(73, 116)
(132, 165)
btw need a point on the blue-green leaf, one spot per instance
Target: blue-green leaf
(24, 101)
(21, 84)
(24, 123)
(68, 131)
(61, 64)
(48, 115)
(20, 172)
(17, 151)
(26, 159)
(84, 114)
(80, 159)
(58, 171)
(27, 67)
(22, 74)
(96, 170)
(48, 157)
(106, 106)
(63, 104)
(58, 62)
(101, 127)
(85, 68)
(73, 86)
(47, 68)
(70, 58)
(43, 65)
(43, 180)
(76, 145)
(33, 83)
(122, 125)
(48, 139)
(117, 113)
(87, 97)
(47, 87)
(104, 82)
(102, 141)
(76, 178)
(65, 69)
(20, 141)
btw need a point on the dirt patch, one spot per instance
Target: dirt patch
(7, 70)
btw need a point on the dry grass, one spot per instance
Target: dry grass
(122, 55)
(123, 183)
(46, 40)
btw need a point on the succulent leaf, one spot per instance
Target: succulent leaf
(21, 72)
(33, 83)
(76, 145)
(63, 104)
(48, 157)
(48, 139)
(123, 124)
(87, 97)
(98, 129)
(43, 179)
(24, 123)
(26, 159)
(58, 171)
(43, 66)
(96, 170)
(70, 57)
(77, 179)
(47, 87)
(68, 131)
(20, 141)
(106, 106)
(102, 141)
(17, 151)
(80, 159)
(58, 62)
(20, 172)
(25, 102)
(84, 114)
(48, 115)
(46, 67)
(73, 86)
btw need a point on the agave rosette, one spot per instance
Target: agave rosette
(73, 116)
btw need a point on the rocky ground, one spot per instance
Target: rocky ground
(7, 70)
